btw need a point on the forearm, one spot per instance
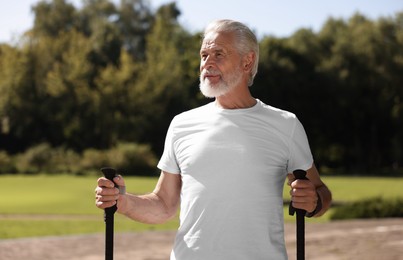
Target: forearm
(148, 209)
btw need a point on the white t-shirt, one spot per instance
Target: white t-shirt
(233, 164)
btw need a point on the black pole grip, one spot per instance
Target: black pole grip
(299, 175)
(109, 217)
(110, 173)
(300, 219)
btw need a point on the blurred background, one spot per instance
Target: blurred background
(93, 83)
(97, 82)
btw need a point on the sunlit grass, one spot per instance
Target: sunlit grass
(26, 227)
(45, 205)
(61, 194)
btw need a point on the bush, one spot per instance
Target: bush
(371, 208)
(93, 160)
(64, 161)
(43, 158)
(134, 159)
(6, 163)
(35, 159)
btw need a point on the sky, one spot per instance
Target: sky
(280, 18)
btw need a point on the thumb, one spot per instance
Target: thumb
(291, 178)
(119, 181)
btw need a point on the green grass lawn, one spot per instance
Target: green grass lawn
(55, 205)
(63, 194)
(44, 205)
(348, 189)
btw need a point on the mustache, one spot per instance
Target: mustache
(210, 72)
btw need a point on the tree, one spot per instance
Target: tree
(348, 72)
(134, 22)
(357, 58)
(163, 88)
(53, 17)
(108, 73)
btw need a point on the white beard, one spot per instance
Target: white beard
(221, 88)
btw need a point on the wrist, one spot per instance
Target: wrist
(317, 209)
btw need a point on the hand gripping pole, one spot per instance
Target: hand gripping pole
(300, 220)
(109, 173)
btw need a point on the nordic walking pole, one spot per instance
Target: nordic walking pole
(300, 220)
(109, 173)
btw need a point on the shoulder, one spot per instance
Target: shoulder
(283, 121)
(276, 113)
(193, 113)
(192, 117)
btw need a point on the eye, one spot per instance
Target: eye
(219, 54)
(203, 56)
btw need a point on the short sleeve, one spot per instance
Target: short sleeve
(168, 162)
(300, 152)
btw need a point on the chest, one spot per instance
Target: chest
(227, 145)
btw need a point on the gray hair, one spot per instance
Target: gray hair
(246, 40)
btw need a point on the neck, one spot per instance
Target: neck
(236, 100)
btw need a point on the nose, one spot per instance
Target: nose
(207, 63)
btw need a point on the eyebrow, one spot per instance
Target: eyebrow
(214, 50)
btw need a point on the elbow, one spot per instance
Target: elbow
(168, 210)
(163, 219)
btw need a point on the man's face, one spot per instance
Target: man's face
(220, 65)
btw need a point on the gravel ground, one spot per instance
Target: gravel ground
(342, 240)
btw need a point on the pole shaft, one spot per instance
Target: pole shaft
(109, 220)
(300, 220)
(109, 217)
(300, 234)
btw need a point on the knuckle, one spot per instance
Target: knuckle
(98, 204)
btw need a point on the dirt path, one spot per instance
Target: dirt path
(370, 240)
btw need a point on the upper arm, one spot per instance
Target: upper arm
(168, 189)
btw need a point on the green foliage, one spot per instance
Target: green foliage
(43, 158)
(6, 163)
(348, 72)
(93, 159)
(53, 18)
(132, 158)
(108, 73)
(35, 159)
(377, 207)
(163, 87)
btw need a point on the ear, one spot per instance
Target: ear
(248, 61)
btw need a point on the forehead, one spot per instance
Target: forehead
(215, 40)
